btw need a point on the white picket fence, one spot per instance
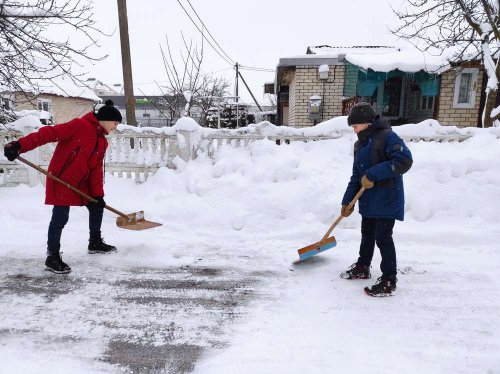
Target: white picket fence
(140, 153)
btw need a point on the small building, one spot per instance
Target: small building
(60, 96)
(152, 111)
(403, 85)
(104, 89)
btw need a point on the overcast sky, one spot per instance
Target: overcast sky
(256, 33)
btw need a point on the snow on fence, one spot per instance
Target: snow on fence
(139, 152)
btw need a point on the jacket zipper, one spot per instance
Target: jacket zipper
(69, 161)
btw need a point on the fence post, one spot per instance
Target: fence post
(186, 144)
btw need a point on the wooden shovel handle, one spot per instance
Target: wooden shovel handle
(349, 207)
(58, 180)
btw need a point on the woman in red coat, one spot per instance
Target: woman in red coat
(78, 160)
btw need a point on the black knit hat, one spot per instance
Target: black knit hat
(361, 113)
(108, 112)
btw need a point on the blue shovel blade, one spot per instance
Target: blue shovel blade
(315, 251)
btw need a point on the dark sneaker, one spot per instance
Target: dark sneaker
(98, 246)
(356, 271)
(55, 264)
(384, 287)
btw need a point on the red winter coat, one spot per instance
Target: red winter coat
(78, 158)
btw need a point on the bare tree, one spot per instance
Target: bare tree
(169, 106)
(209, 92)
(183, 80)
(470, 28)
(27, 55)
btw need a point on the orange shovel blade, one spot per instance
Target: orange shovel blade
(135, 221)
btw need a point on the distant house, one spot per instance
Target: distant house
(61, 97)
(103, 89)
(152, 111)
(403, 85)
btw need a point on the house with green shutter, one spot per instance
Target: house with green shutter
(403, 85)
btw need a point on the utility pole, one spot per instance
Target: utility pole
(236, 95)
(126, 63)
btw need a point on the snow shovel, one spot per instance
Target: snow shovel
(133, 221)
(326, 242)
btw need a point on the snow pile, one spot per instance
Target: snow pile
(30, 122)
(259, 204)
(333, 127)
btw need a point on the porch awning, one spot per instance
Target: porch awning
(367, 87)
(368, 81)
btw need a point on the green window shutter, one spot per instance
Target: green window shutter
(350, 80)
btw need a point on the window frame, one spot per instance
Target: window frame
(6, 103)
(473, 92)
(44, 101)
(420, 103)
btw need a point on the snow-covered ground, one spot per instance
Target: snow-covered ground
(247, 212)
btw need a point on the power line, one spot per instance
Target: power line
(205, 27)
(203, 35)
(253, 68)
(227, 57)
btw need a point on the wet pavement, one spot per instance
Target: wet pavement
(136, 319)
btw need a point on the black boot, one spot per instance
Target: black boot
(98, 246)
(385, 286)
(55, 264)
(356, 271)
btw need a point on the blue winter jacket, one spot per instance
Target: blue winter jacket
(383, 165)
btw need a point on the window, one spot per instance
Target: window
(465, 89)
(6, 103)
(426, 102)
(44, 104)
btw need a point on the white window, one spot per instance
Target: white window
(44, 104)
(465, 88)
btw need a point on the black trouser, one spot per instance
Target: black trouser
(60, 216)
(378, 230)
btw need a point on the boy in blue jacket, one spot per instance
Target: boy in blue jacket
(380, 159)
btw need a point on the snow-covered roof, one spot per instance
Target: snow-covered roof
(336, 51)
(59, 86)
(66, 87)
(383, 58)
(102, 88)
(51, 79)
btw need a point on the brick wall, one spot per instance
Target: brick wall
(62, 109)
(412, 113)
(449, 116)
(306, 83)
(292, 102)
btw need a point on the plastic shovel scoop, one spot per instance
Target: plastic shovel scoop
(326, 243)
(133, 221)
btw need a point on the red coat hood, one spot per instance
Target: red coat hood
(90, 116)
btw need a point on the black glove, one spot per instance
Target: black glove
(100, 203)
(12, 150)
